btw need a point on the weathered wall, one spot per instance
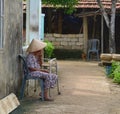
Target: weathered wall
(9, 64)
(69, 41)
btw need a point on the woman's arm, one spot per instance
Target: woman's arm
(35, 69)
(43, 70)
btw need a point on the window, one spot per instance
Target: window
(1, 22)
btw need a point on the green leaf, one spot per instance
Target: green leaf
(68, 5)
(48, 51)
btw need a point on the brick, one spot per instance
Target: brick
(64, 43)
(78, 43)
(72, 43)
(57, 35)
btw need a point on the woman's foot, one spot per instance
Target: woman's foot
(48, 99)
(40, 94)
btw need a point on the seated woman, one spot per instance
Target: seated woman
(34, 62)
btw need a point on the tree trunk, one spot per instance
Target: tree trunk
(112, 28)
(105, 15)
(110, 24)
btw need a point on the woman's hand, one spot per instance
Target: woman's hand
(43, 70)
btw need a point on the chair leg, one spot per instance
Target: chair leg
(22, 89)
(97, 56)
(88, 56)
(58, 90)
(49, 93)
(42, 88)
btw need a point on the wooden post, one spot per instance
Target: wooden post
(102, 34)
(49, 13)
(85, 32)
(60, 22)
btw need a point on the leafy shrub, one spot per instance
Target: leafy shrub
(48, 51)
(116, 73)
(114, 66)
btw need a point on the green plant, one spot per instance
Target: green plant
(114, 66)
(67, 5)
(48, 51)
(116, 73)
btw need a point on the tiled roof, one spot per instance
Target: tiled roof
(87, 4)
(93, 4)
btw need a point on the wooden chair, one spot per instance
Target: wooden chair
(29, 77)
(93, 48)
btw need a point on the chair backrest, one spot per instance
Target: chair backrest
(93, 44)
(25, 68)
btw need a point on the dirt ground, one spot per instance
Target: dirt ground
(85, 89)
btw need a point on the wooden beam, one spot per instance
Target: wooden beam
(102, 34)
(85, 32)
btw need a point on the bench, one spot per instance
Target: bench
(8, 104)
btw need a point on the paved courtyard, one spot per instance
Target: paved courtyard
(84, 90)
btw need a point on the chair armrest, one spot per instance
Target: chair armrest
(47, 62)
(50, 64)
(53, 65)
(45, 59)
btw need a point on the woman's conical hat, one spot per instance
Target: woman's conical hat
(36, 45)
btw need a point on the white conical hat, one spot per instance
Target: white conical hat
(36, 45)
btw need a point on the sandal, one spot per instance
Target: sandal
(48, 99)
(40, 94)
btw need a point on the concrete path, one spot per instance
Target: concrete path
(84, 90)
